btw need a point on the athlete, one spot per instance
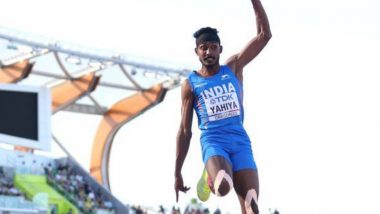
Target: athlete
(215, 92)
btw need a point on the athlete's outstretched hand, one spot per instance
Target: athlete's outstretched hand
(178, 186)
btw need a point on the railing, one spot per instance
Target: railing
(13, 204)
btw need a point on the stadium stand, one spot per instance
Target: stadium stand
(72, 184)
(31, 183)
(12, 199)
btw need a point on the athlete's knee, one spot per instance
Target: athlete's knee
(223, 183)
(251, 205)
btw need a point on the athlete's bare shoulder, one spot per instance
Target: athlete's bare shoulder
(186, 90)
(232, 64)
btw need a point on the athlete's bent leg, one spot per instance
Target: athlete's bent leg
(220, 172)
(246, 184)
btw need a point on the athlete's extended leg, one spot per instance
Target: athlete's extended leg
(220, 172)
(246, 184)
(216, 177)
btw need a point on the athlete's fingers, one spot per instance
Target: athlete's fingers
(185, 189)
(182, 189)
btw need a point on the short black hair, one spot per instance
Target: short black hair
(206, 34)
(205, 30)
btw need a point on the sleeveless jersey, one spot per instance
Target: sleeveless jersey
(217, 100)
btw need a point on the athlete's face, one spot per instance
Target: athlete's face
(208, 53)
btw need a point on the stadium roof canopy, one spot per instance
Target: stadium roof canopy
(114, 86)
(54, 62)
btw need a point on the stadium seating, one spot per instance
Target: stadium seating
(31, 183)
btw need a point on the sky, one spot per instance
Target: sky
(311, 97)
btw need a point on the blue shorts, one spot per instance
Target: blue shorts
(234, 146)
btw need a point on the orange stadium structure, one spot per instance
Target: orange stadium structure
(76, 78)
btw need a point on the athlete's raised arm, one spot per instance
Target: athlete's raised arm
(183, 137)
(253, 48)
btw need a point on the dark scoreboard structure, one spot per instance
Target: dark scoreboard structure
(25, 116)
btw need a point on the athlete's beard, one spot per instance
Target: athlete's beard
(210, 62)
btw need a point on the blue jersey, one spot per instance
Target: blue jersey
(217, 99)
(218, 102)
